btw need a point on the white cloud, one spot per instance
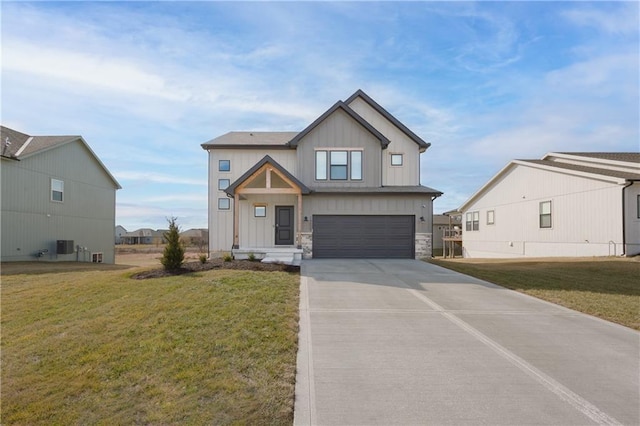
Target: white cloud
(623, 18)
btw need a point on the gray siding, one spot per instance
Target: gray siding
(369, 204)
(340, 131)
(31, 221)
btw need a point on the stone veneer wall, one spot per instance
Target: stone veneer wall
(307, 245)
(423, 245)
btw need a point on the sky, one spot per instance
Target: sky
(146, 83)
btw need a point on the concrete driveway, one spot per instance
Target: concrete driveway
(405, 342)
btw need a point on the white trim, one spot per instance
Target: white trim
(22, 148)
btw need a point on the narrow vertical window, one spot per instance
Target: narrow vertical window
(491, 217)
(224, 165)
(321, 165)
(469, 218)
(338, 165)
(476, 221)
(356, 165)
(638, 206)
(545, 214)
(57, 190)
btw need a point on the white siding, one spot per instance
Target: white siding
(221, 221)
(632, 219)
(586, 216)
(409, 173)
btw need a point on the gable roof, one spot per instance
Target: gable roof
(590, 171)
(250, 140)
(360, 94)
(24, 146)
(344, 107)
(266, 159)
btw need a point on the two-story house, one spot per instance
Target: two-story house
(58, 200)
(347, 186)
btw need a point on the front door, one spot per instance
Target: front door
(284, 225)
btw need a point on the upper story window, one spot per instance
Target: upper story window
(57, 190)
(473, 221)
(545, 214)
(224, 165)
(339, 165)
(396, 159)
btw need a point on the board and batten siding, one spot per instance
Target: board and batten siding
(632, 219)
(221, 221)
(339, 130)
(261, 231)
(586, 216)
(409, 173)
(32, 222)
(369, 204)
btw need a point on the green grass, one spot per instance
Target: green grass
(609, 289)
(96, 347)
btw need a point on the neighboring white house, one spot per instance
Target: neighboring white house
(348, 185)
(58, 200)
(566, 204)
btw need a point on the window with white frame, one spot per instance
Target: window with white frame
(472, 221)
(224, 165)
(545, 214)
(224, 203)
(491, 217)
(223, 184)
(396, 159)
(57, 190)
(339, 165)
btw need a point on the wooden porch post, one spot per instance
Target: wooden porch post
(236, 219)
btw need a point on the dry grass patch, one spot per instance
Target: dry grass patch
(96, 347)
(608, 289)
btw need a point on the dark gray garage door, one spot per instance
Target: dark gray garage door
(363, 237)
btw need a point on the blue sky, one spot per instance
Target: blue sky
(145, 83)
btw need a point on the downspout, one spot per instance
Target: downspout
(624, 219)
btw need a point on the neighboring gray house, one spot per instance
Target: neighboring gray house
(58, 200)
(195, 237)
(144, 236)
(347, 186)
(565, 204)
(120, 231)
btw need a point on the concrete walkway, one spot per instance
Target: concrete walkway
(403, 342)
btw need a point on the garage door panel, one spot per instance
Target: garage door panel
(336, 236)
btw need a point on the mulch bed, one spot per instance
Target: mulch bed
(210, 264)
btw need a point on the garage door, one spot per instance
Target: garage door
(363, 236)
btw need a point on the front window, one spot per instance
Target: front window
(224, 203)
(223, 184)
(545, 214)
(339, 165)
(57, 190)
(396, 159)
(260, 211)
(224, 165)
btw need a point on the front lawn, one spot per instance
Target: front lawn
(96, 347)
(609, 289)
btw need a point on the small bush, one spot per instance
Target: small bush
(173, 255)
(227, 257)
(252, 257)
(203, 258)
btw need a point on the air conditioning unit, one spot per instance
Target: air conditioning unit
(64, 246)
(96, 257)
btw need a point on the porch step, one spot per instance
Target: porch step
(283, 255)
